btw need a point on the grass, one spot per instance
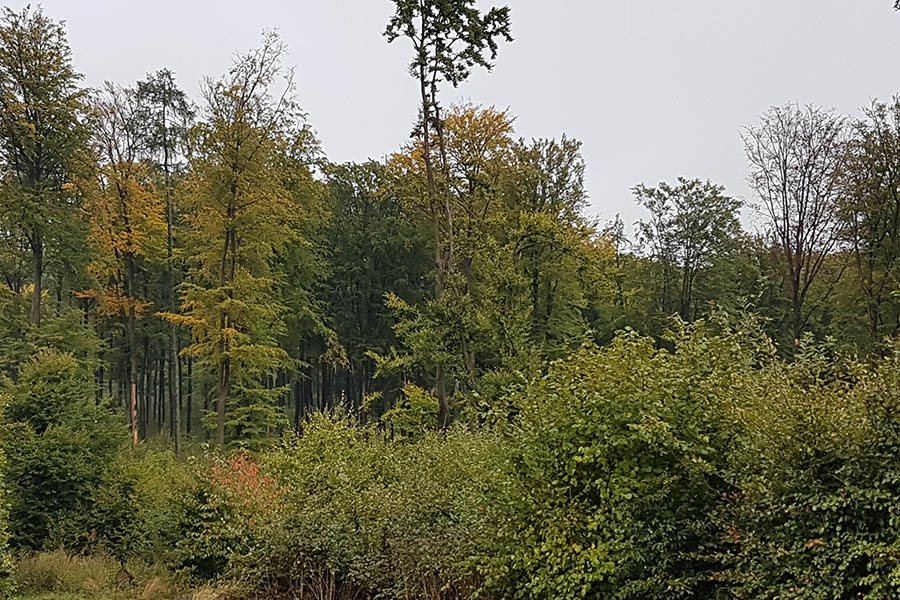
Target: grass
(61, 576)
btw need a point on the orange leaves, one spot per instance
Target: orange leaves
(244, 484)
(112, 302)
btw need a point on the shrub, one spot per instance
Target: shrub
(616, 460)
(356, 513)
(816, 469)
(59, 444)
(5, 560)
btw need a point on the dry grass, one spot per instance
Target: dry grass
(61, 576)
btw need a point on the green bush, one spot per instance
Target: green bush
(343, 508)
(59, 444)
(816, 466)
(5, 560)
(615, 462)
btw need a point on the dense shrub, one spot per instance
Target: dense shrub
(343, 508)
(5, 560)
(816, 469)
(616, 454)
(59, 444)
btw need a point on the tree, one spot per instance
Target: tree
(168, 115)
(870, 212)
(553, 244)
(449, 39)
(374, 248)
(796, 157)
(41, 134)
(690, 222)
(123, 215)
(126, 217)
(240, 214)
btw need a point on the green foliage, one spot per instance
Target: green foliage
(42, 144)
(58, 443)
(6, 566)
(358, 512)
(613, 455)
(690, 224)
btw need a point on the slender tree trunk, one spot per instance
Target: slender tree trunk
(174, 365)
(190, 396)
(131, 327)
(37, 248)
(440, 384)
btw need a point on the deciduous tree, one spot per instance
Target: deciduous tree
(240, 214)
(796, 157)
(42, 136)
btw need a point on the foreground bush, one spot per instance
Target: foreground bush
(616, 465)
(342, 508)
(59, 444)
(714, 470)
(5, 560)
(711, 469)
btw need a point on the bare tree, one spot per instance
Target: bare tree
(796, 157)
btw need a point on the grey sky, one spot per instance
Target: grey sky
(654, 88)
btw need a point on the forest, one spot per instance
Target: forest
(231, 368)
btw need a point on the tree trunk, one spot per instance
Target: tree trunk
(132, 350)
(190, 396)
(174, 365)
(37, 247)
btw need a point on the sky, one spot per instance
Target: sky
(655, 89)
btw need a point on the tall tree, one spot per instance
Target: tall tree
(41, 134)
(690, 222)
(168, 115)
(449, 38)
(796, 157)
(126, 217)
(240, 214)
(545, 199)
(870, 211)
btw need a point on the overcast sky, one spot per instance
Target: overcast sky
(654, 88)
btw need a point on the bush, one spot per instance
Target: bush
(5, 560)
(816, 467)
(59, 444)
(615, 463)
(344, 509)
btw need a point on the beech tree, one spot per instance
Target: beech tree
(796, 158)
(449, 39)
(126, 216)
(690, 222)
(870, 212)
(240, 214)
(42, 136)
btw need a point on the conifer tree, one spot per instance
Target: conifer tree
(167, 118)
